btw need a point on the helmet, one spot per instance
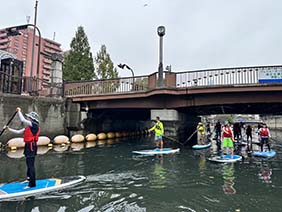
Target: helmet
(200, 123)
(33, 115)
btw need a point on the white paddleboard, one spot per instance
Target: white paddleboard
(264, 154)
(156, 151)
(19, 189)
(226, 158)
(199, 146)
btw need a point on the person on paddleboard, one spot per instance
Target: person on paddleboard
(201, 133)
(227, 138)
(264, 136)
(30, 135)
(249, 133)
(217, 130)
(158, 128)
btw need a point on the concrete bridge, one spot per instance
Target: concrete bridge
(249, 90)
(129, 104)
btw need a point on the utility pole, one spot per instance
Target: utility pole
(33, 39)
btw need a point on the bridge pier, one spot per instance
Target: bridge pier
(178, 125)
(75, 118)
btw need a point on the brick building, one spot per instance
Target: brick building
(21, 46)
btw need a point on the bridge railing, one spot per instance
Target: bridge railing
(226, 76)
(108, 86)
(15, 84)
(205, 78)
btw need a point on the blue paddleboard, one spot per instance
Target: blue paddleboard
(19, 189)
(226, 158)
(156, 151)
(199, 146)
(264, 154)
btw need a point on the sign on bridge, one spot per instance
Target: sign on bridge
(270, 75)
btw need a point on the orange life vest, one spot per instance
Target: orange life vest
(29, 137)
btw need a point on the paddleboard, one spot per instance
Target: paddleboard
(156, 151)
(264, 154)
(226, 158)
(199, 146)
(19, 189)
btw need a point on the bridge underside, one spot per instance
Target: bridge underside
(261, 108)
(262, 99)
(144, 114)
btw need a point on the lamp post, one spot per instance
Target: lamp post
(14, 31)
(122, 66)
(161, 33)
(33, 38)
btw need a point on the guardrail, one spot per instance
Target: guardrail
(226, 76)
(186, 79)
(29, 86)
(110, 86)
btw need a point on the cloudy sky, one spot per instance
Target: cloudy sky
(200, 34)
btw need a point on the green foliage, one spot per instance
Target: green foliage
(104, 65)
(78, 64)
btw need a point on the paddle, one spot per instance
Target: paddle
(172, 139)
(8, 122)
(190, 137)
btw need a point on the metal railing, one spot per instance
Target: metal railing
(217, 77)
(29, 86)
(40, 87)
(110, 86)
(187, 79)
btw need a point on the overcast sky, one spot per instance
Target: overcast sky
(200, 34)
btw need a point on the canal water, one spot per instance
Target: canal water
(119, 181)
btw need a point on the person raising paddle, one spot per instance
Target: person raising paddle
(30, 135)
(159, 132)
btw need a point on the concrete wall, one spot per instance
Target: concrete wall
(51, 113)
(273, 122)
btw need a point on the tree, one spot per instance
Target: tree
(104, 65)
(78, 64)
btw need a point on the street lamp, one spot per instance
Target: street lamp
(14, 31)
(161, 33)
(122, 66)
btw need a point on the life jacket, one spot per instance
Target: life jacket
(227, 132)
(29, 137)
(201, 130)
(263, 132)
(158, 128)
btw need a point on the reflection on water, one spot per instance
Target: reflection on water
(202, 163)
(265, 173)
(159, 173)
(228, 178)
